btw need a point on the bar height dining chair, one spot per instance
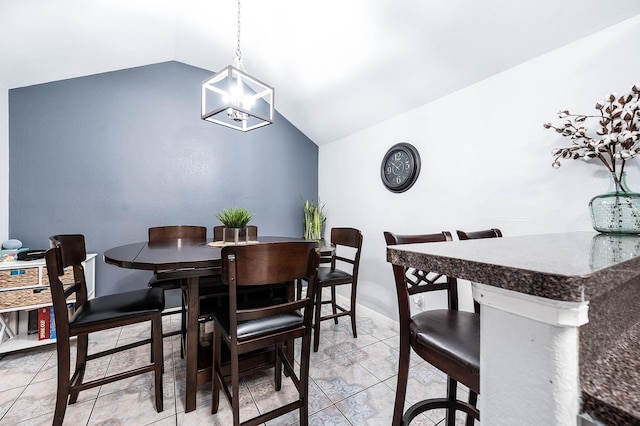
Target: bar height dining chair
(212, 285)
(448, 339)
(92, 315)
(475, 235)
(158, 234)
(347, 244)
(253, 324)
(486, 233)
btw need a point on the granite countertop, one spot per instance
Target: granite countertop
(573, 267)
(610, 356)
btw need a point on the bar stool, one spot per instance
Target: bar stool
(351, 240)
(448, 339)
(488, 233)
(92, 315)
(269, 323)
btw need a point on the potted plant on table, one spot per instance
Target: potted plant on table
(314, 218)
(235, 221)
(613, 141)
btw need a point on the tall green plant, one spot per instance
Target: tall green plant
(235, 217)
(314, 217)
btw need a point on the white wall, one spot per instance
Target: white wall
(486, 158)
(4, 164)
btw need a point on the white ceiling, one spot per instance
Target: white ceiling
(338, 66)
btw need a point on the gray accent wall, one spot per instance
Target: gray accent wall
(112, 154)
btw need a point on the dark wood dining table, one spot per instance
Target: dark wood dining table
(194, 258)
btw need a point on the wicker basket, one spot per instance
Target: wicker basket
(19, 277)
(35, 294)
(67, 278)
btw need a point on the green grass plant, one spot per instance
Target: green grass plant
(235, 217)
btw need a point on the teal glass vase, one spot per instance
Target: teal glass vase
(618, 210)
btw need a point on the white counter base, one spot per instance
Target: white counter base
(529, 360)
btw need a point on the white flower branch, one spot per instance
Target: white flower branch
(614, 141)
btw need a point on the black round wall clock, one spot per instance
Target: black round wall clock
(400, 167)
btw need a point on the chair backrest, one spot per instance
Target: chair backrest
(410, 281)
(68, 251)
(269, 264)
(488, 233)
(348, 237)
(176, 232)
(218, 232)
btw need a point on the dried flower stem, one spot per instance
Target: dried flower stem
(616, 140)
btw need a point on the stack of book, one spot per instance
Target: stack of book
(42, 321)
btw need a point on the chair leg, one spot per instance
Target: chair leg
(235, 386)
(82, 345)
(304, 379)
(278, 367)
(316, 322)
(354, 329)
(473, 401)
(452, 389)
(156, 341)
(290, 353)
(401, 387)
(152, 352)
(64, 362)
(333, 303)
(183, 321)
(215, 370)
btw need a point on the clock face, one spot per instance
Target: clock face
(400, 167)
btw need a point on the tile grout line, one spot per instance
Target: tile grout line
(345, 349)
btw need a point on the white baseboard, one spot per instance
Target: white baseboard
(364, 311)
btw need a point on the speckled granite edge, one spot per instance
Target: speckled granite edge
(536, 280)
(607, 413)
(610, 356)
(551, 286)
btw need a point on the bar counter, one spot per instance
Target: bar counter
(560, 315)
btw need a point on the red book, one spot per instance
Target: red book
(44, 323)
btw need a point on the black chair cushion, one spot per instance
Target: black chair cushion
(326, 275)
(451, 334)
(118, 306)
(263, 326)
(260, 327)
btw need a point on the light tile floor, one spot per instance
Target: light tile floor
(352, 383)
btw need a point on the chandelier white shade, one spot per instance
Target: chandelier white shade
(234, 99)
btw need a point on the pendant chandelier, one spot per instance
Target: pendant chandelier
(234, 99)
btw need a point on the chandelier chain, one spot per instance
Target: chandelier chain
(238, 52)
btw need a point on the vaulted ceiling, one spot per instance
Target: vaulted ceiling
(338, 66)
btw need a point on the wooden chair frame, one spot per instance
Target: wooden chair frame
(176, 232)
(266, 264)
(348, 237)
(410, 281)
(69, 252)
(170, 233)
(488, 233)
